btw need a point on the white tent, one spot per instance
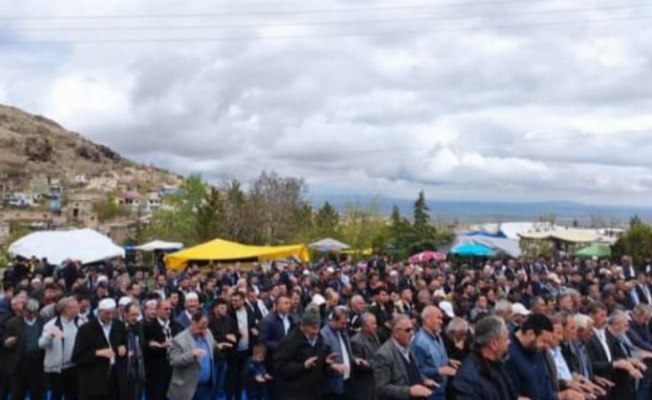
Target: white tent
(329, 244)
(85, 245)
(159, 245)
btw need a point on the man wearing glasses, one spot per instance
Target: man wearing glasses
(395, 366)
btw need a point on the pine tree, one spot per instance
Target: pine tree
(421, 216)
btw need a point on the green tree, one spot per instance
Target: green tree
(635, 221)
(138, 234)
(305, 219)
(274, 202)
(363, 226)
(238, 226)
(421, 211)
(16, 231)
(106, 209)
(327, 221)
(177, 220)
(636, 242)
(407, 238)
(210, 217)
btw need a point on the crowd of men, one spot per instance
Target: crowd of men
(514, 329)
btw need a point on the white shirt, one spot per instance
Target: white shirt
(346, 359)
(404, 352)
(563, 372)
(646, 292)
(243, 327)
(83, 318)
(262, 307)
(69, 333)
(286, 323)
(602, 336)
(106, 328)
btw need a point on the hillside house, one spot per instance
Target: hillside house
(33, 219)
(168, 191)
(129, 199)
(105, 184)
(22, 199)
(153, 202)
(118, 232)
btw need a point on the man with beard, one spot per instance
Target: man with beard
(526, 362)
(482, 375)
(98, 345)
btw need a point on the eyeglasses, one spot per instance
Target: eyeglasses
(406, 330)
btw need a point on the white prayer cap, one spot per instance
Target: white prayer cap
(124, 301)
(318, 300)
(106, 304)
(519, 309)
(447, 308)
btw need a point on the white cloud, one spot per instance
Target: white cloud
(448, 99)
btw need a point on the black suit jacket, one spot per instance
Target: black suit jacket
(251, 322)
(599, 360)
(156, 359)
(220, 328)
(624, 388)
(94, 371)
(14, 355)
(255, 310)
(298, 382)
(641, 293)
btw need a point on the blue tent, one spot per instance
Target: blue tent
(499, 234)
(471, 249)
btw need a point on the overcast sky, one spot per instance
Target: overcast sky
(506, 99)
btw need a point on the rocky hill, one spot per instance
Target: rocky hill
(33, 145)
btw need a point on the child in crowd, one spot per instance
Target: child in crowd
(255, 375)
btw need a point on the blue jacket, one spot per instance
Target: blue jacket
(334, 380)
(529, 373)
(431, 355)
(272, 331)
(479, 379)
(183, 320)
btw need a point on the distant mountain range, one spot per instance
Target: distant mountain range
(495, 211)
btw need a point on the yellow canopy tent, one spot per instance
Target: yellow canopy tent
(224, 250)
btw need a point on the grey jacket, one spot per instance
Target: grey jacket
(392, 382)
(185, 368)
(364, 347)
(54, 357)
